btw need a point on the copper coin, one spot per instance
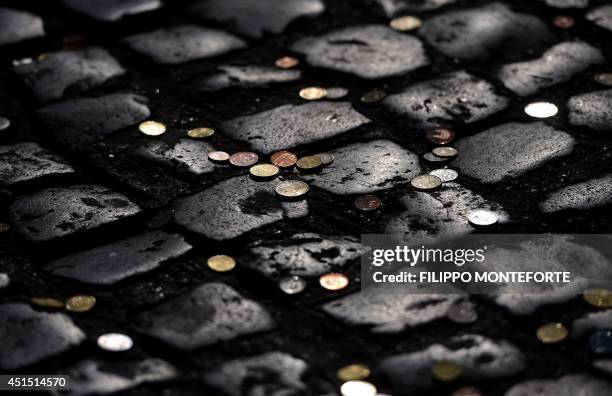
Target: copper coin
(367, 202)
(243, 159)
(467, 391)
(286, 62)
(445, 152)
(374, 96)
(564, 21)
(283, 159)
(462, 312)
(440, 135)
(333, 281)
(218, 156)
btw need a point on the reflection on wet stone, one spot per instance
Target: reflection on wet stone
(590, 194)
(18, 26)
(246, 77)
(28, 161)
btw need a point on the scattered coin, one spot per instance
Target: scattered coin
(430, 157)
(283, 159)
(367, 202)
(599, 298)
(445, 152)
(199, 133)
(446, 371)
(445, 174)
(243, 159)
(221, 263)
(81, 303)
(292, 285)
(309, 163)
(358, 388)
(426, 182)
(313, 93)
(374, 96)
(541, 109)
(467, 391)
(353, 372)
(604, 79)
(440, 135)
(47, 302)
(264, 171)
(161, 218)
(482, 218)
(286, 62)
(291, 188)
(4, 227)
(552, 333)
(462, 312)
(336, 93)
(326, 158)
(115, 342)
(152, 128)
(4, 123)
(600, 342)
(564, 21)
(333, 281)
(218, 156)
(405, 23)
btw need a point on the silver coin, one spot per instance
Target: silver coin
(4, 123)
(115, 342)
(430, 157)
(541, 109)
(292, 285)
(426, 182)
(326, 158)
(462, 312)
(445, 174)
(336, 93)
(482, 218)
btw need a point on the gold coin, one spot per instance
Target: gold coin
(598, 297)
(445, 152)
(152, 128)
(47, 302)
(4, 227)
(353, 372)
(426, 182)
(81, 303)
(313, 93)
(333, 281)
(221, 263)
(199, 133)
(446, 371)
(604, 79)
(291, 188)
(309, 162)
(264, 170)
(552, 333)
(405, 23)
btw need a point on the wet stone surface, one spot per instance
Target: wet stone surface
(28, 161)
(18, 26)
(187, 155)
(396, 7)
(591, 322)
(246, 77)
(30, 336)
(592, 193)
(601, 16)
(567, 385)
(370, 52)
(593, 110)
(111, 10)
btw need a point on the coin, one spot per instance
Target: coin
(221, 263)
(286, 62)
(358, 388)
(541, 109)
(336, 93)
(152, 128)
(467, 391)
(353, 372)
(161, 218)
(462, 312)
(600, 342)
(283, 159)
(309, 163)
(446, 371)
(218, 156)
(81, 303)
(374, 96)
(440, 135)
(243, 159)
(333, 281)
(313, 93)
(482, 218)
(430, 157)
(4, 227)
(445, 174)
(4, 123)
(291, 188)
(564, 21)
(445, 152)
(199, 133)
(47, 302)
(367, 202)
(426, 182)
(405, 23)
(552, 333)
(292, 285)
(264, 171)
(604, 79)
(599, 298)
(326, 158)
(115, 342)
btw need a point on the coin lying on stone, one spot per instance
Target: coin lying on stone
(326, 158)
(599, 298)
(445, 174)
(552, 333)
(333, 281)
(115, 342)
(221, 263)
(336, 92)
(264, 171)
(426, 182)
(47, 302)
(440, 135)
(358, 388)
(286, 62)
(367, 202)
(430, 157)
(152, 128)
(80, 303)
(445, 152)
(374, 96)
(218, 156)
(564, 21)
(353, 372)
(313, 93)
(462, 312)
(541, 109)
(405, 23)
(482, 218)
(446, 371)
(243, 159)
(283, 159)
(291, 188)
(292, 284)
(199, 133)
(309, 163)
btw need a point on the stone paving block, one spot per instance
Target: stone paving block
(482, 359)
(187, 154)
(242, 377)
(233, 207)
(58, 72)
(111, 10)
(28, 161)
(601, 16)
(556, 65)
(301, 124)
(591, 322)
(567, 3)
(209, 314)
(30, 336)
(568, 385)
(254, 18)
(454, 97)
(182, 44)
(57, 212)
(590, 194)
(396, 7)
(16, 26)
(246, 77)
(485, 32)
(80, 122)
(510, 150)
(109, 264)
(593, 110)
(361, 168)
(371, 52)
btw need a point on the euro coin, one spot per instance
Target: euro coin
(80, 303)
(313, 93)
(309, 163)
(405, 23)
(243, 159)
(283, 159)
(221, 263)
(264, 171)
(552, 333)
(152, 128)
(291, 188)
(353, 372)
(333, 281)
(426, 182)
(200, 133)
